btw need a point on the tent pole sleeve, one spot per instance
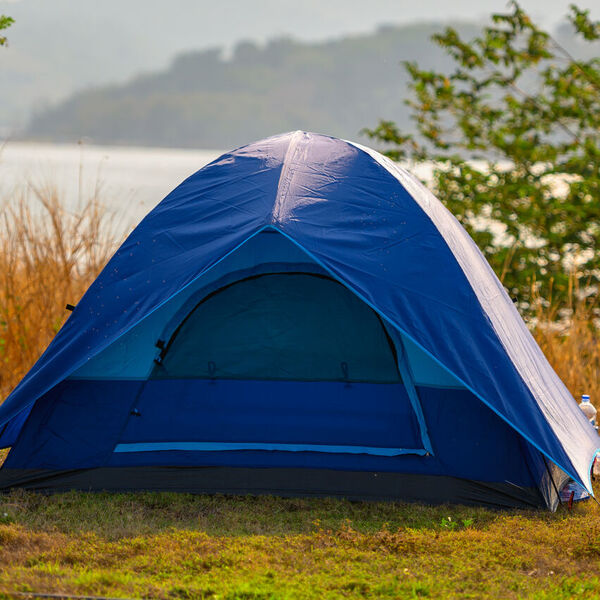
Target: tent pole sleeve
(413, 395)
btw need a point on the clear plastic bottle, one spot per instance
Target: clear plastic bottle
(588, 409)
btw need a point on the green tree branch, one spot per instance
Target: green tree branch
(514, 135)
(5, 23)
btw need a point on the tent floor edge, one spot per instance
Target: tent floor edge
(283, 482)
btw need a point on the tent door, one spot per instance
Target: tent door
(289, 362)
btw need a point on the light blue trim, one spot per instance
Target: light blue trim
(233, 446)
(438, 386)
(105, 378)
(413, 396)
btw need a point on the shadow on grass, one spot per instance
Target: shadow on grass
(114, 516)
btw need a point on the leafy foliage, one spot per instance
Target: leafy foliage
(5, 23)
(514, 133)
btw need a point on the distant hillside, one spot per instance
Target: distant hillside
(204, 100)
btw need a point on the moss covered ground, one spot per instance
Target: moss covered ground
(179, 546)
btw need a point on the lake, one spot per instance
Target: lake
(131, 181)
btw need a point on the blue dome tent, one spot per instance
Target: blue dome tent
(299, 317)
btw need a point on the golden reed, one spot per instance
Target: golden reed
(570, 338)
(49, 255)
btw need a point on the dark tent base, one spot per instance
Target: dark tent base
(352, 485)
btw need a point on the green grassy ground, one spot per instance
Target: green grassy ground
(180, 546)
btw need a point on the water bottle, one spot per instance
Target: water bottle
(588, 409)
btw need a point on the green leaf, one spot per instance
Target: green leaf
(530, 114)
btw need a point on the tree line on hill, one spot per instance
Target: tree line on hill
(208, 100)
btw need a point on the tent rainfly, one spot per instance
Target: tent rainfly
(299, 317)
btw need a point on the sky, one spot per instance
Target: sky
(59, 46)
(181, 24)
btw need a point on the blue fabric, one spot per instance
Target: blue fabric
(424, 370)
(131, 356)
(74, 425)
(347, 212)
(469, 441)
(281, 412)
(10, 432)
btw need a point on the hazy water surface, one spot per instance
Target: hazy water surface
(131, 181)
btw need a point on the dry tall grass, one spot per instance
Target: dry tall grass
(570, 339)
(49, 255)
